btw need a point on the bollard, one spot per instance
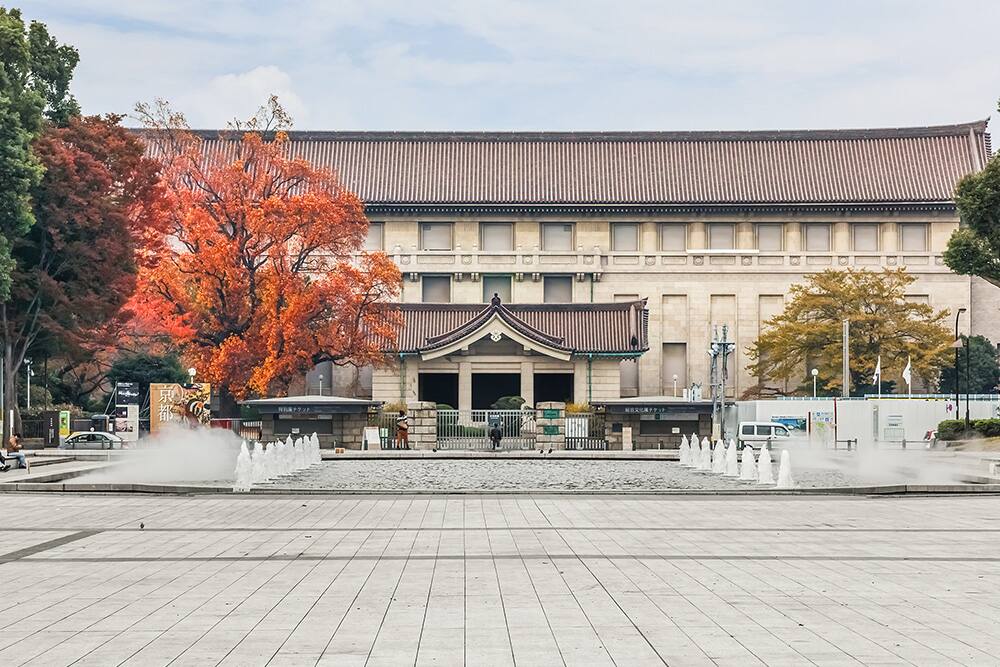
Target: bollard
(904, 443)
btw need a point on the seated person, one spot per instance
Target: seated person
(14, 451)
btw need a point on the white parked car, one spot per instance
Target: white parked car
(756, 433)
(93, 440)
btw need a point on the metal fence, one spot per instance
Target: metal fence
(585, 431)
(469, 429)
(386, 424)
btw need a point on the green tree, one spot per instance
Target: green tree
(984, 369)
(974, 248)
(35, 72)
(809, 333)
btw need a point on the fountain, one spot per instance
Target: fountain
(748, 466)
(244, 469)
(705, 456)
(684, 452)
(719, 458)
(732, 461)
(764, 473)
(274, 460)
(785, 480)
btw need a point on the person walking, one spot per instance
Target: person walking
(402, 431)
(14, 451)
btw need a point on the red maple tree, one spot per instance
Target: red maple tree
(96, 207)
(262, 276)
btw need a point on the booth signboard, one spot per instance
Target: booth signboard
(50, 428)
(127, 393)
(64, 423)
(126, 424)
(187, 405)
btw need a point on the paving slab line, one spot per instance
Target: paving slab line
(182, 489)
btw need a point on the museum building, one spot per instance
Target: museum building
(592, 266)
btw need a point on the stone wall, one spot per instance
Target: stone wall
(555, 425)
(422, 420)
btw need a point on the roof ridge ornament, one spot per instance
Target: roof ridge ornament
(495, 301)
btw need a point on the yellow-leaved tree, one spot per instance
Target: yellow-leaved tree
(883, 323)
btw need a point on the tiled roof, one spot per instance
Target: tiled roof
(900, 165)
(580, 328)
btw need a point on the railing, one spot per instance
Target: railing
(32, 428)
(470, 429)
(386, 424)
(247, 429)
(585, 431)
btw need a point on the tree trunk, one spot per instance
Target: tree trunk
(9, 392)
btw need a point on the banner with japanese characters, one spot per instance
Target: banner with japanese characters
(188, 405)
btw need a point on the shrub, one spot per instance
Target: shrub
(954, 429)
(989, 428)
(508, 403)
(576, 408)
(951, 429)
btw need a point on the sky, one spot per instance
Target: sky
(545, 65)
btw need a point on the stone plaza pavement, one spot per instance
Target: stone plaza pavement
(495, 580)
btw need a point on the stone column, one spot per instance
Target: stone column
(551, 429)
(528, 382)
(697, 236)
(423, 424)
(464, 386)
(745, 237)
(793, 237)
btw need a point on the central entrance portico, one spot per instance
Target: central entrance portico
(477, 354)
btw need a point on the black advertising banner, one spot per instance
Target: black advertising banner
(127, 393)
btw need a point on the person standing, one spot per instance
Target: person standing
(402, 431)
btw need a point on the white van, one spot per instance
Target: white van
(761, 432)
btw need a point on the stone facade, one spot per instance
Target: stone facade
(688, 291)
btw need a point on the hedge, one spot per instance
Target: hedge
(954, 429)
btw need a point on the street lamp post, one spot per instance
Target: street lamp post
(320, 384)
(28, 373)
(968, 386)
(957, 345)
(192, 372)
(675, 385)
(815, 372)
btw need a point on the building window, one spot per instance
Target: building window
(499, 285)
(557, 289)
(624, 236)
(673, 237)
(557, 236)
(913, 237)
(435, 236)
(496, 236)
(375, 237)
(771, 237)
(817, 237)
(721, 236)
(865, 237)
(435, 289)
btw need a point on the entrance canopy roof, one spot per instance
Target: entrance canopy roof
(556, 330)
(304, 405)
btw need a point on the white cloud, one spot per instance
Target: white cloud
(238, 95)
(534, 64)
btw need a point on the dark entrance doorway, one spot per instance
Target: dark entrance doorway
(488, 387)
(553, 387)
(438, 388)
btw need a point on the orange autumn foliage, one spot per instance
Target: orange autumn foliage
(262, 276)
